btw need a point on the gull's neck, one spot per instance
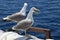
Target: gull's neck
(30, 15)
(23, 10)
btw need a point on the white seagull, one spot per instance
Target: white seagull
(26, 23)
(17, 16)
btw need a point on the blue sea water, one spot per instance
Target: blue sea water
(49, 15)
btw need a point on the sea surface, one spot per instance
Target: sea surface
(48, 17)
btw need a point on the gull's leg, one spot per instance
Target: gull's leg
(26, 34)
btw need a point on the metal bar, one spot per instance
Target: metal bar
(42, 30)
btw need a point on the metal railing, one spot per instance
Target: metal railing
(42, 30)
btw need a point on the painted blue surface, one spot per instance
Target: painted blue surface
(49, 16)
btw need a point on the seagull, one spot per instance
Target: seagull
(25, 24)
(17, 16)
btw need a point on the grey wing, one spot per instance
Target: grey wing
(16, 17)
(23, 25)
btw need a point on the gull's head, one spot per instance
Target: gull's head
(6, 19)
(34, 9)
(25, 4)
